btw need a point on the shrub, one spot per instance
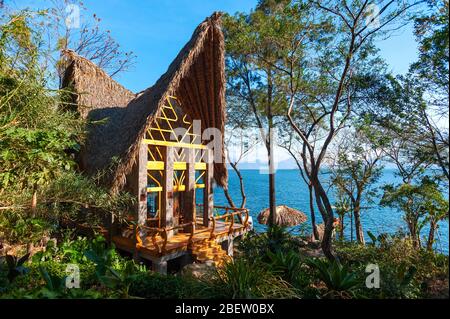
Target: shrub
(257, 245)
(404, 270)
(156, 286)
(17, 227)
(243, 279)
(340, 281)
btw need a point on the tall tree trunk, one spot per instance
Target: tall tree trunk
(431, 234)
(413, 233)
(358, 225)
(272, 202)
(341, 228)
(241, 184)
(351, 225)
(228, 197)
(315, 232)
(269, 144)
(326, 211)
(34, 201)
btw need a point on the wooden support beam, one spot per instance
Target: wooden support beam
(141, 206)
(142, 184)
(208, 196)
(177, 166)
(189, 194)
(167, 219)
(228, 246)
(174, 144)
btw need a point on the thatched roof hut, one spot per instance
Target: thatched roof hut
(285, 216)
(196, 77)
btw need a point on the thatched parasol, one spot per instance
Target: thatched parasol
(196, 77)
(286, 216)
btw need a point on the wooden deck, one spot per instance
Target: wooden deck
(153, 248)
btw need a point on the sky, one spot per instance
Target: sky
(155, 30)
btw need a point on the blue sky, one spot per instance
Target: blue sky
(157, 29)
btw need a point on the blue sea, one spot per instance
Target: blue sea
(293, 192)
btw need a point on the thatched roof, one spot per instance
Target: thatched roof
(286, 216)
(92, 87)
(196, 77)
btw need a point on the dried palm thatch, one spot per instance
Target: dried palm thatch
(286, 216)
(196, 77)
(92, 87)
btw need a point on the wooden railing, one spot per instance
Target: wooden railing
(230, 214)
(235, 211)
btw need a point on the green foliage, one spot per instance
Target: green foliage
(338, 278)
(35, 135)
(15, 266)
(39, 137)
(286, 265)
(244, 279)
(404, 270)
(156, 286)
(258, 245)
(421, 204)
(101, 255)
(17, 227)
(431, 30)
(103, 272)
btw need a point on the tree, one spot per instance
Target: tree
(37, 137)
(432, 67)
(436, 208)
(420, 203)
(338, 61)
(430, 76)
(87, 39)
(355, 169)
(294, 147)
(241, 148)
(259, 45)
(342, 207)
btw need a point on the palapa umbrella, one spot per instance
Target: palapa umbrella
(286, 216)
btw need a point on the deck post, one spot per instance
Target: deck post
(230, 246)
(189, 194)
(208, 196)
(160, 267)
(141, 207)
(167, 190)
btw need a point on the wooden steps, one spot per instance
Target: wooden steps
(208, 250)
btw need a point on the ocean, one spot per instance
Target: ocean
(293, 192)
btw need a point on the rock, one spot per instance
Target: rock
(300, 242)
(314, 244)
(315, 253)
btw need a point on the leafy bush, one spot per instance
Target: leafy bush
(286, 265)
(404, 270)
(243, 279)
(338, 278)
(156, 286)
(17, 227)
(257, 245)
